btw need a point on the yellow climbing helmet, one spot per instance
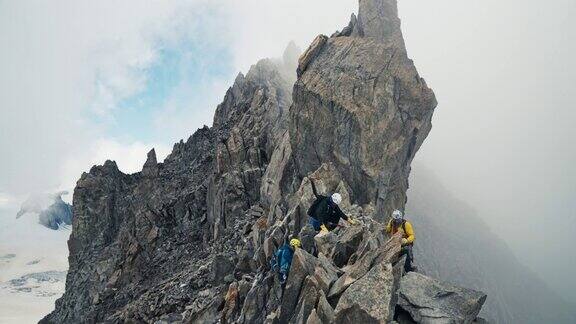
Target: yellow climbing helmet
(295, 243)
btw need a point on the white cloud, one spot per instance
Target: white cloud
(264, 28)
(5, 200)
(185, 111)
(65, 66)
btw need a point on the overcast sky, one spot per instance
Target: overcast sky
(83, 81)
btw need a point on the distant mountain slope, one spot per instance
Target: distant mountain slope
(58, 214)
(52, 211)
(455, 245)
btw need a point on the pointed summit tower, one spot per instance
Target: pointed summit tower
(360, 103)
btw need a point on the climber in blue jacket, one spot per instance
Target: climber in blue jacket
(283, 259)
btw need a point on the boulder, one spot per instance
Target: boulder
(307, 237)
(325, 242)
(263, 293)
(313, 318)
(170, 319)
(209, 313)
(324, 310)
(372, 240)
(327, 264)
(340, 285)
(347, 244)
(230, 303)
(306, 301)
(370, 299)
(399, 271)
(324, 277)
(303, 265)
(391, 250)
(221, 266)
(387, 253)
(269, 248)
(431, 301)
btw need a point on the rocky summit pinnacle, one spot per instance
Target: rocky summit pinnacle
(378, 19)
(360, 104)
(190, 240)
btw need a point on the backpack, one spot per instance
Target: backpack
(404, 225)
(314, 206)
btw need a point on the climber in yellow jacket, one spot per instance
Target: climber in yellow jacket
(399, 224)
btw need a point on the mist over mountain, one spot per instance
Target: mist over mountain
(456, 245)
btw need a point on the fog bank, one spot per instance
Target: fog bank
(502, 137)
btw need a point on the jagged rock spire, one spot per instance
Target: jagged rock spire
(291, 53)
(151, 165)
(379, 19)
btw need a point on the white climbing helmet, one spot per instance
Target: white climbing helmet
(397, 214)
(336, 198)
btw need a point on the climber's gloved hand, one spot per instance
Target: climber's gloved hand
(323, 229)
(352, 221)
(404, 241)
(283, 278)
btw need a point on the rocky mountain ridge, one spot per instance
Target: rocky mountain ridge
(190, 239)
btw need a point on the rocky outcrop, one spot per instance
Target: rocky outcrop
(431, 301)
(378, 20)
(190, 239)
(370, 299)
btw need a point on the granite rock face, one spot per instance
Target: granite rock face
(431, 301)
(370, 299)
(190, 240)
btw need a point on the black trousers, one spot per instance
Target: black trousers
(407, 251)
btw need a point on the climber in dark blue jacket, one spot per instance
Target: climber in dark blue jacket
(324, 213)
